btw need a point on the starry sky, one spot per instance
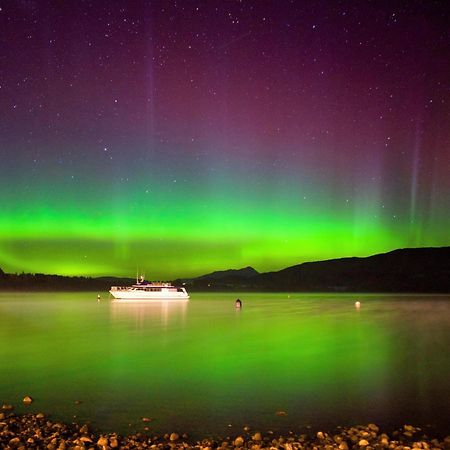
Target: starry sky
(181, 137)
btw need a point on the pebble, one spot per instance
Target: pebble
(30, 431)
(102, 442)
(257, 437)
(27, 400)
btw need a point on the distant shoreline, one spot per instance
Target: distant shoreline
(413, 270)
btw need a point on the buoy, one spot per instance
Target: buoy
(357, 305)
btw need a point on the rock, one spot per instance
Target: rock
(102, 442)
(146, 419)
(373, 427)
(84, 429)
(6, 407)
(363, 443)
(343, 446)
(239, 441)
(173, 437)
(40, 416)
(246, 428)
(113, 442)
(257, 437)
(2, 416)
(281, 413)
(321, 435)
(85, 439)
(78, 402)
(27, 400)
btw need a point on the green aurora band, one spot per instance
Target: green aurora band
(178, 224)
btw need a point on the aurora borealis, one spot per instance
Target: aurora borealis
(183, 137)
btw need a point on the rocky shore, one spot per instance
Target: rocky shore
(36, 431)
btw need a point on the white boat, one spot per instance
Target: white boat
(144, 290)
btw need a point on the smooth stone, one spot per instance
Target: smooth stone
(363, 443)
(27, 400)
(281, 413)
(239, 441)
(257, 437)
(40, 416)
(173, 437)
(343, 446)
(102, 442)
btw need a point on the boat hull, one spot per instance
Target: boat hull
(144, 296)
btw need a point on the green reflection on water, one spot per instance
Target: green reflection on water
(202, 365)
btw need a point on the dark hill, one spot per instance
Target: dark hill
(221, 279)
(246, 272)
(404, 270)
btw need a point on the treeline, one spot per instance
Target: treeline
(43, 282)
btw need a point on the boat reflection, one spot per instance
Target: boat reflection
(148, 313)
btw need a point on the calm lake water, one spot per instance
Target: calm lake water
(200, 366)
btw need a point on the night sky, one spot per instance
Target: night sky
(182, 137)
